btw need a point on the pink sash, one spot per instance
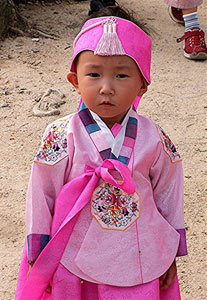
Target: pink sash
(72, 198)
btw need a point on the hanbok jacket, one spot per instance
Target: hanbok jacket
(121, 236)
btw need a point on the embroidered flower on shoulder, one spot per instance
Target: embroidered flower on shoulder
(169, 147)
(54, 144)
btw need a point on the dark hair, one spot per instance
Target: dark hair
(120, 12)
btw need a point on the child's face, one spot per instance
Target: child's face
(108, 85)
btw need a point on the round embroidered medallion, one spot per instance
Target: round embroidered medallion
(113, 208)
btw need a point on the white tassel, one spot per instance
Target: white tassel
(109, 43)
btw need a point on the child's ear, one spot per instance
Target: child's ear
(143, 89)
(73, 79)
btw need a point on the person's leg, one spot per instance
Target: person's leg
(185, 11)
(195, 47)
(190, 17)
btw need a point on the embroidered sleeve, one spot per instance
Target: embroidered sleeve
(168, 146)
(168, 186)
(54, 143)
(50, 171)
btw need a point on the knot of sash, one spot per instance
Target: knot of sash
(70, 201)
(103, 171)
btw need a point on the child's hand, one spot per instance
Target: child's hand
(30, 268)
(168, 277)
(49, 289)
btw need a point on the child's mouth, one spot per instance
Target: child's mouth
(106, 104)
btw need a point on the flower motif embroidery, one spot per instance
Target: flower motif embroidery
(54, 145)
(169, 147)
(113, 208)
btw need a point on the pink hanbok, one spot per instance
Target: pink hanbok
(105, 208)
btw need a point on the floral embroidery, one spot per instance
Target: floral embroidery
(113, 208)
(169, 147)
(54, 145)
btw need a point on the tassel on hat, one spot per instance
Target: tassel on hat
(109, 43)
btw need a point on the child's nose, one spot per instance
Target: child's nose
(107, 88)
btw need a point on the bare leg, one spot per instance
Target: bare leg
(189, 11)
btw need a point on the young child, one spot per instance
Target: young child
(105, 198)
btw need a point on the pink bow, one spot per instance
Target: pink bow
(72, 198)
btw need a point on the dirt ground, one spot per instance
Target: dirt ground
(176, 100)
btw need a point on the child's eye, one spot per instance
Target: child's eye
(93, 75)
(122, 76)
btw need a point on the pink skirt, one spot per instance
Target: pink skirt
(69, 287)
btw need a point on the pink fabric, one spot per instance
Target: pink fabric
(81, 189)
(89, 291)
(150, 157)
(182, 249)
(136, 101)
(35, 241)
(185, 4)
(67, 286)
(158, 243)
(158, 240)
(24, 268)
(115, 129)
(128, 141)
(146, 291)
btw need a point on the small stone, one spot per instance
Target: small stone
(49, 103)
(22, 90)
(3, 105)
(35, 39)
(6, 92)
(35, 50)
(37, 63)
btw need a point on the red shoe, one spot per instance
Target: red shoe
(176, 14)
(195, 46)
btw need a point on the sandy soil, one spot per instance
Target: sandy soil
(176, 100)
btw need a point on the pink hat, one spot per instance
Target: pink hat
(108, 36)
